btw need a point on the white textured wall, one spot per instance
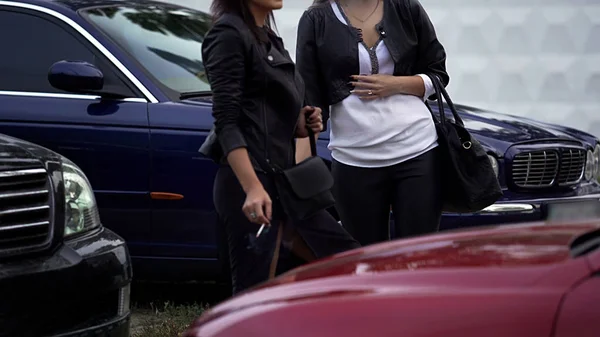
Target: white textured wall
(536, 58)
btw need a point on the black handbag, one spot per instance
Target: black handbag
(211, 147)
(305, 188)
(469, 181)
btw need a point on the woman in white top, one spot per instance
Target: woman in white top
(366, 64)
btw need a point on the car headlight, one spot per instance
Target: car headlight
(589, 166)
(81, 210)
(494, 163)
(596, 155)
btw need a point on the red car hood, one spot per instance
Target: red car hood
(516, 245)
(502, 257)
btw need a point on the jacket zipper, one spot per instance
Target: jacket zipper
(266, 132)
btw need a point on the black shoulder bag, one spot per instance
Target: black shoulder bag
(305, 188)
(469, 181)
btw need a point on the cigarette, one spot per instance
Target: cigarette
(260, 230)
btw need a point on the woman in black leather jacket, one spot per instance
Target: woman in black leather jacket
(368, 63)
(258, 102)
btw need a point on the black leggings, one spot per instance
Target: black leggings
(250, 258)
(412, 190)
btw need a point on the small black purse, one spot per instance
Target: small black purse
(469, 181)
(305, 188)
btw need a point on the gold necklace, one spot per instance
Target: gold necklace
(347, 5)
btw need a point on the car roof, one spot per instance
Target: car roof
(76, 5)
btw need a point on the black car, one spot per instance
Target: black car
(61, 272)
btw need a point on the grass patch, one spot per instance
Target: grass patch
(165, 320)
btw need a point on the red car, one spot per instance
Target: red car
(509, 281)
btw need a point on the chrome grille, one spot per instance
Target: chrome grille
(24, 206)
(572, 166)
(535, 169)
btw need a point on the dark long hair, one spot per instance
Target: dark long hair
(241, 8)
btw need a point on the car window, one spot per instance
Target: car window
(32, 44)
(166, 41)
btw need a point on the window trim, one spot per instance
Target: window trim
(149, 97)
(75, 44)
(67, 96)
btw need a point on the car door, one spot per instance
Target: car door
(182, 208)
(107, 138)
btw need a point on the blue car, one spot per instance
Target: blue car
(119, 88)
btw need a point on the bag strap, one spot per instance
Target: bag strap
(262, 162)
(442, 95)
(439, 98)
(275, 259)
(313, 142)
(266, 165)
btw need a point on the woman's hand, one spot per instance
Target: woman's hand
(310, 117)
(369, 87)
(258, 205)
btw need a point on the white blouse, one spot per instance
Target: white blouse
(385, 131)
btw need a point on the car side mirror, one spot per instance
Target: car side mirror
(76, 77)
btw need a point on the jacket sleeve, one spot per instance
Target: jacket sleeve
(223, 55)
(308, 66)
(431, 55)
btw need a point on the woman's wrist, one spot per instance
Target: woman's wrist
(252, 185)
(400, 84)
(300, 133)
(409, 85)
(239, 160)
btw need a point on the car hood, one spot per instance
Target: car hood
(14, 148)
(498, 131)
(514, 128)
(506, 246)
(502, 256)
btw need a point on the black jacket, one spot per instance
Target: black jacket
(257, 94)
(327, 50)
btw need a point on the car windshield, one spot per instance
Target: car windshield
(166, 41)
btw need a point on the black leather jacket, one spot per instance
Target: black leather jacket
(257, 94)
(327, 50)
